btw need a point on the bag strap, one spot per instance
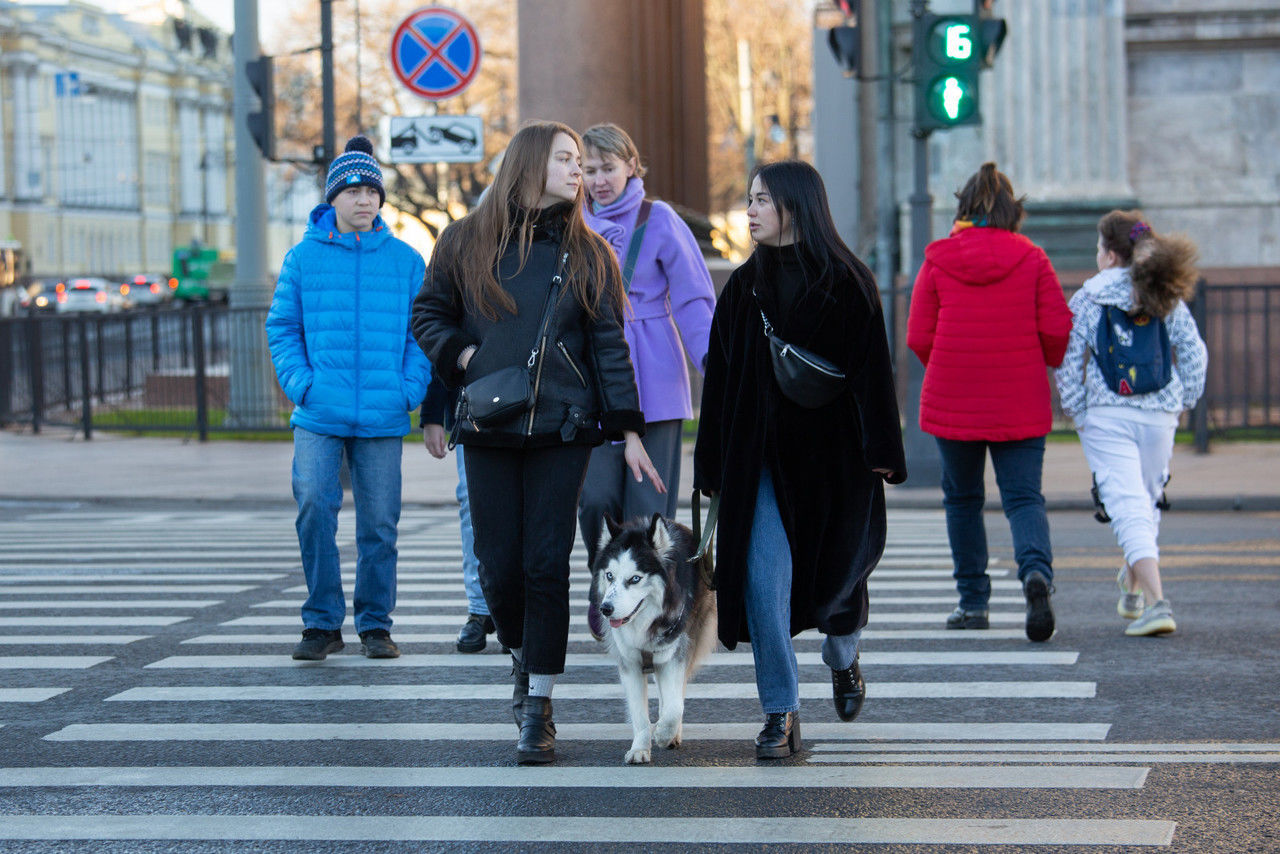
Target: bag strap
(703, 538)
(768, 327)
(633, 248)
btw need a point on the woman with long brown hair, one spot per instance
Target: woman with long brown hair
(522, 308)
(1143, 280)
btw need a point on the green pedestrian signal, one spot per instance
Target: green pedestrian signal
(947, 59)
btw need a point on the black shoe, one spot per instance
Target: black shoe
(780, 737)
(595, 621)
(316, 644)
(471, 636)
(1039, 612)
(848, 690)
(962, 619)
(377, 643)
(537, 745)
(521, 690)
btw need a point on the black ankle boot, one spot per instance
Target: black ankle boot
(848, 690)
(537, 745)
(780, 737)
(521, 690)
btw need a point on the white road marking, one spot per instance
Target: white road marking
(29, 695)
(51, 662)
(131, 621)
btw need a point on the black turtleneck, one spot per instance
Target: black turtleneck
(792, 275)
(548, 223)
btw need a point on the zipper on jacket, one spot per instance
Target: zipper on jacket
(569, 359)
(538, 354)
(794, 352)
(356, 415)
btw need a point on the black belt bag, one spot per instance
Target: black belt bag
(806, 379)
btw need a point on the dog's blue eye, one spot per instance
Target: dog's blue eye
(635, 579)
(608, 576)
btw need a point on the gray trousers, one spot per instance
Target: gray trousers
(610, 488)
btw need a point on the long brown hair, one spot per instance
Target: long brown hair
(1161, 267)
(468, 251)
(987, 199)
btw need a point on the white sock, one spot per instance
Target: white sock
(540, 684)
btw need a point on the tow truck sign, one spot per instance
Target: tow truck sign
(436, 139)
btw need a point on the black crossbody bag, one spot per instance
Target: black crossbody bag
(806, 379)
(503, 395)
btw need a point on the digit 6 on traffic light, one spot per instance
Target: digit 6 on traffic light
(946, 58)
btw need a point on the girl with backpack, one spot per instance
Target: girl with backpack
(1117, 382)
(668, 317)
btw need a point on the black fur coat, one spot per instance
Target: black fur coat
(822, 461)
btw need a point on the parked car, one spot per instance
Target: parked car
(457, 133)
(147, 290)
(89, 294)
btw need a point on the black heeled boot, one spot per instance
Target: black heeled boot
(520, 692)
(848, 690)
(537, 745)
(780, 737)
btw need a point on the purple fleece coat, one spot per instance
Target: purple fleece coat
(670, 288)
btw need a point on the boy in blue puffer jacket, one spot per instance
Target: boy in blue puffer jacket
(339, 334)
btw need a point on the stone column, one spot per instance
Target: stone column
(1055, 119)
(640, 65)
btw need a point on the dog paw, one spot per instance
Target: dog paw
(668, 737)
(639, 757)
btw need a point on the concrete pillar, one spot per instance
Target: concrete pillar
(1054, 110)
(640, 65)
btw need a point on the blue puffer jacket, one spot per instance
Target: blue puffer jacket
(338, 329)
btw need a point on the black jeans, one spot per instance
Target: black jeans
(523, 504)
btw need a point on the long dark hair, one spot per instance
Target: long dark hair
(987, 199)
(1162, 267)
(468, 251)
(797, 191)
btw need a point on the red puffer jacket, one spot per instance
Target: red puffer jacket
(987, 318)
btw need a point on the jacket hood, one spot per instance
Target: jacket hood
(1111, 286)
(323, 226)
(979, 256)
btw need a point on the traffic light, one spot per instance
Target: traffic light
(947, 59)
(846, 47)
(262, 123)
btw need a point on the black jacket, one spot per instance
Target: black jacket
(585, 385)
(821, 460)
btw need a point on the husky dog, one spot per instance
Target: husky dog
(657, 607)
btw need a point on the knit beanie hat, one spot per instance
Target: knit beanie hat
(355, 167)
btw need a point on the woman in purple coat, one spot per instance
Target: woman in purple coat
(669, 315)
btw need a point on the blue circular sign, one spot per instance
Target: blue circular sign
(435, 53)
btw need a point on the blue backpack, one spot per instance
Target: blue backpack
(1133, 352)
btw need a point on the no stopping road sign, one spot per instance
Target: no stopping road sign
(435, 53)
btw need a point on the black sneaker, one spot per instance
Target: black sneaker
(471, 637)
(962, 619)
(316, 644)
(377, 643)
(1037, 589)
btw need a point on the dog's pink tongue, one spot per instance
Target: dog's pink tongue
(616, 623)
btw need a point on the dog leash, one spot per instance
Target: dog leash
(704, 558)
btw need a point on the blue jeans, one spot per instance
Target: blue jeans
(1018, 466)
(768, 604)
(375, 487)
(470, 566)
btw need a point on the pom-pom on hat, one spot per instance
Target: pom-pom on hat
(355, 167)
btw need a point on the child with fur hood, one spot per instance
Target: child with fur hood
(1128, 438)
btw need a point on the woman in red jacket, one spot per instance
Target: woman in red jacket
(987, 318)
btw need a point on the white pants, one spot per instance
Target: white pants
(1128, 451)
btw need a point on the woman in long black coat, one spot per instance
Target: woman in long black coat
(802, 517)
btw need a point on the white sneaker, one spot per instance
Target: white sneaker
(1156, 620)
(1130, 604)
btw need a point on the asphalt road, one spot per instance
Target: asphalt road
(148, 703)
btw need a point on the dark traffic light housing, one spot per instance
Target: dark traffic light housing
(262, 123)
(947, 57)
(846, 46)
